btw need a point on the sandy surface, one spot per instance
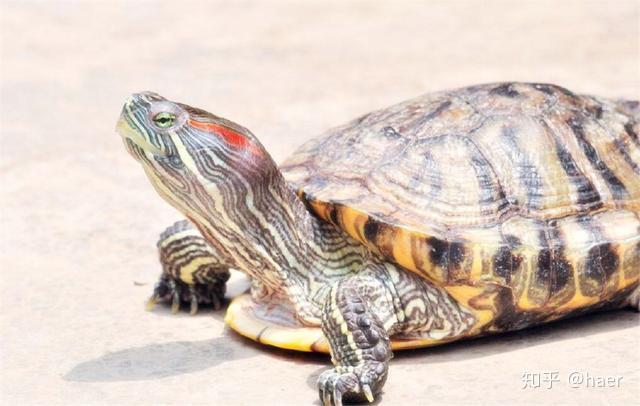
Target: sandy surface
(79, 219)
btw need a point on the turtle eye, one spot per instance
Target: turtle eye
(164, 119)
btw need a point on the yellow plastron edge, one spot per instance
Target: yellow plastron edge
(243, 320)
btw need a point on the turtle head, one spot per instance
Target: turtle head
(156, 128)
(180, 146)
(212, 170)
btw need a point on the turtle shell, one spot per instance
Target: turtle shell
(526, 186)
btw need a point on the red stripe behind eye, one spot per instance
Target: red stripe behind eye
(233, 138)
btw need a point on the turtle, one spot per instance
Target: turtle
(456, 214)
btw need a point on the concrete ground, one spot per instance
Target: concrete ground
(79, 219)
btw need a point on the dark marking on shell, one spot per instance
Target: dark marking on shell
(609, 260)
(591, 275)
(505, 90)
(624, 152)
(438, 252)
(565, 91)
(617, 301)
(512, 240)
(554, 90)
(587, 193)
(334, 215)
(544, 88)
(391, 133)
(439, 110)
(628, 128)
(449, 256)
(371, 229)
(456, 253)
(505, 263)
(543, 264)
(538, 289)
(305, 199)
(595, 110)
(631, 104)
(489, 186)
(418, 123)
(509, 317)
(617, 188)
(561, 271)
(528, 174)
(592, 279)
(562, 274)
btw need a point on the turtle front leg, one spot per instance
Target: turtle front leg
(356, 320)
(364, 310)
(192, 271)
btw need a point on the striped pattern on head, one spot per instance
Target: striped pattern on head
(217, 174)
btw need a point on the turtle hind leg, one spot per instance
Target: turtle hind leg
(192, 271)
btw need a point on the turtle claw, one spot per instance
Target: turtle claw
(175, 291)
(351, 384)
(175, 303)
(337, 398)
(152, 302)
(194, 307)
(193, 304)
(366, 389)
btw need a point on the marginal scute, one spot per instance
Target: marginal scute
(592, 277)
(504, 262)
(561, 285)
(371, 229)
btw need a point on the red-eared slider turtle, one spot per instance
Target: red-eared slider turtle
(456, 214)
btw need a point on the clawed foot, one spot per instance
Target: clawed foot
(351, 384)
(175, 291)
